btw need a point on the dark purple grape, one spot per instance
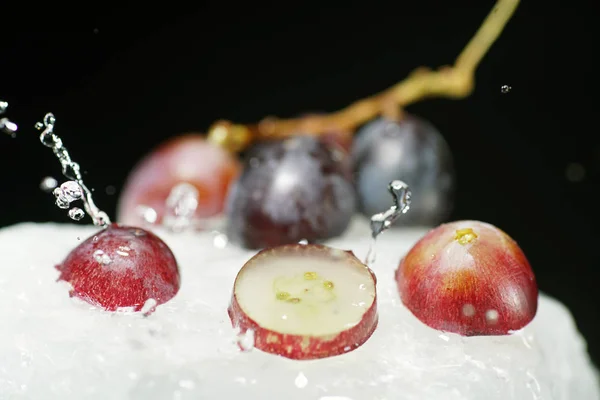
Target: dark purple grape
(290, 190)
(413, 151)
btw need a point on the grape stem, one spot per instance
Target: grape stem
(455, 82)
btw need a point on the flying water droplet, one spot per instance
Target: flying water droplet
(101, 257)
(61, 199)
(505, 89)
(71, 190)
(76, 213)
(48, 184)
(6, 125)
(401, 194)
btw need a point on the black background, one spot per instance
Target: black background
(122, 80)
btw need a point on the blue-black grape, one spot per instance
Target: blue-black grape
(412, 150)
(290, 190)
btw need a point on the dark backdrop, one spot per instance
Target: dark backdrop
(122, 80)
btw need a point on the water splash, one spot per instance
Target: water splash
(380, 222)
(181, 203)
(6, 125)
(76, 214)
(74, 189)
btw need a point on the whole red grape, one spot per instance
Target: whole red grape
(184, 159)
(468, 277)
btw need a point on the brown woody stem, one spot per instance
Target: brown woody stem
(455, 82)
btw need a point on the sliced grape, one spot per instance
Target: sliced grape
(305, 301)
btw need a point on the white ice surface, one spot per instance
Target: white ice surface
(54, 347)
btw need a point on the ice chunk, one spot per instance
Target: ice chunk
(56, 347)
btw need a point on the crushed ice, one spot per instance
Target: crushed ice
(58, 347)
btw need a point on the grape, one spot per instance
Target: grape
(413, 151)
(290, 190)
(470, 278)
(121, 266)
(184, 159)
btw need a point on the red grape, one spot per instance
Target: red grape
(470, 278)
(121, 266)
(184, 159)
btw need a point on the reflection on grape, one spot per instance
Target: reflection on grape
(289, 190)
(411, 150)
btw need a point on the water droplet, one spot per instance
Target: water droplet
(246, 340)
(491, 316)
(138, 232)
(220, 241)
(468, 310)
(337, 254)
(505, 89)
(149, 307)
(401, 194)
(102, 257)
(61, 200)
(76, 213)
(148, 214)
(110, 190)
(123, 251)
(181, 203)
(301, 381)
(49, 120)
(3, 106)
(183, 200)
(48, 184)
(8, 126)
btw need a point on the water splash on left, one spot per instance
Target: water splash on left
(74, 189)
(6, 125)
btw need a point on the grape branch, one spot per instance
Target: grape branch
(455, 82)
